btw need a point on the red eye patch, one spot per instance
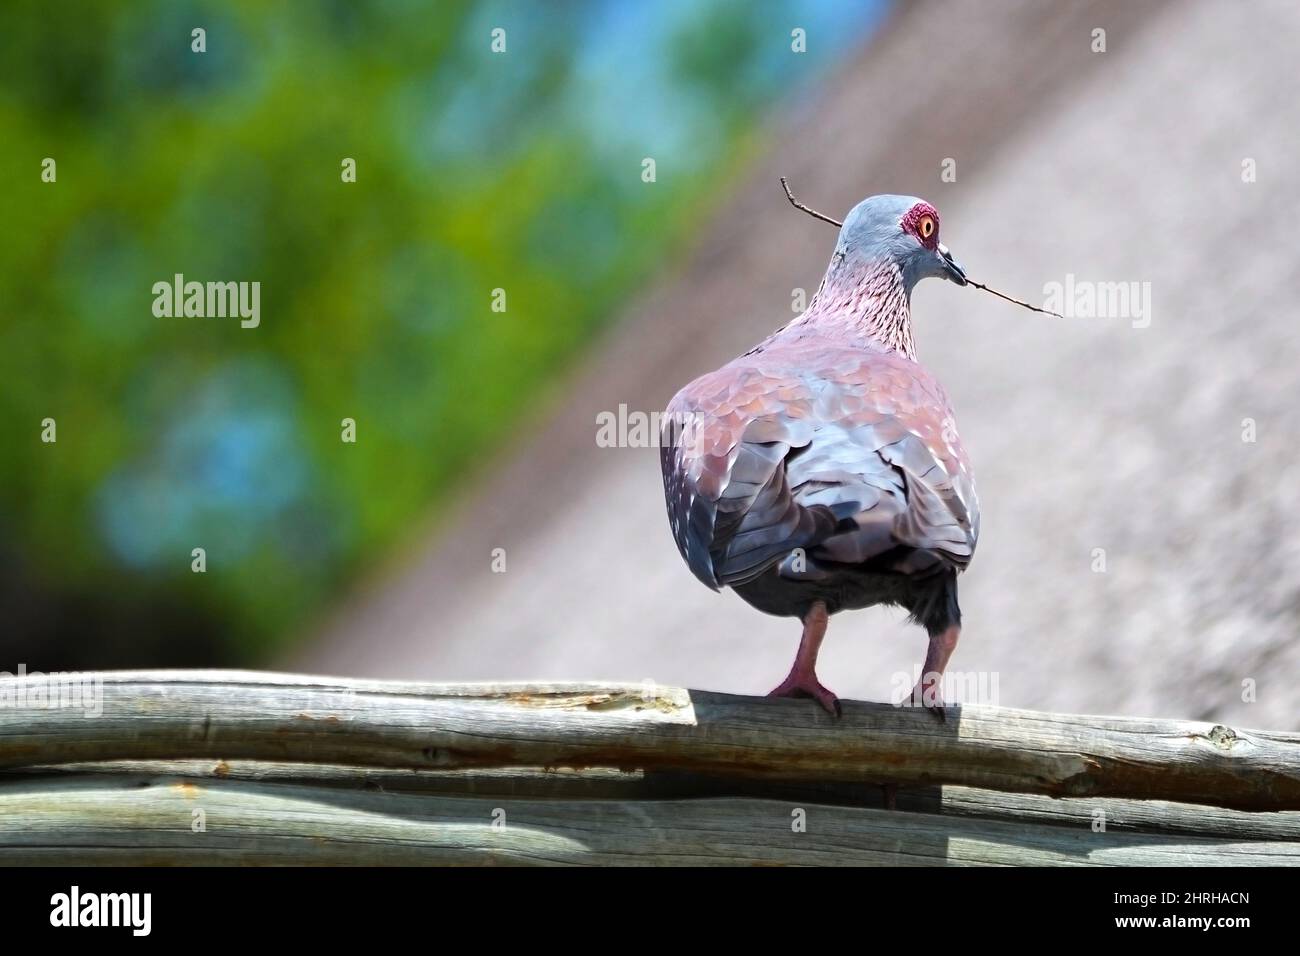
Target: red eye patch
(922, 221)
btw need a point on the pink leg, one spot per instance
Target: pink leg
(929, 691)
(802, 681)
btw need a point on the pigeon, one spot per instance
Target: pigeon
(822, 471)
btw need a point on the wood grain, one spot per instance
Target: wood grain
(156, 821)
(236, 715)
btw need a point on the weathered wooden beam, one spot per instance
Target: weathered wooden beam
(258, 716)
(1137, 816)
(148, 821)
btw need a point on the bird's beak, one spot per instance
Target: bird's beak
(952, 269)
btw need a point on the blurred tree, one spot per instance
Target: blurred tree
(475, 170)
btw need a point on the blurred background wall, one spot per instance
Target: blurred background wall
(1137, 554)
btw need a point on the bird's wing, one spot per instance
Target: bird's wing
(724, 443)
(904, 465)
(846, 460)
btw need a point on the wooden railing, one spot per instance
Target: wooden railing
(202, 767)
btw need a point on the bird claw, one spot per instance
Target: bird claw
(796, 686)
(929, 698)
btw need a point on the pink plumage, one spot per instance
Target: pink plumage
(822, 470)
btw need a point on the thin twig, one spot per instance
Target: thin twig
(979, 285)
(969, 281)
(798, 205)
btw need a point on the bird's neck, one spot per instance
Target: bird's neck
(871, 304)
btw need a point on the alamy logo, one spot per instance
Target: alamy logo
(103, 909)
(212, 300)
(1082, 299)
(58, 691)
(635, 429)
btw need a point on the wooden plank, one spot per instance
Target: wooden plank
(152, 821)
(258, 716)
(1136, 816)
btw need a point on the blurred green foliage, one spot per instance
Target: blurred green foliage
(475, 171)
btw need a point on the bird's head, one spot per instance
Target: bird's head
(898, 230)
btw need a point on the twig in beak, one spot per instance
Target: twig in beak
(969, 281)
(980, 285)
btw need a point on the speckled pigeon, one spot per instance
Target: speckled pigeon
(821, 471)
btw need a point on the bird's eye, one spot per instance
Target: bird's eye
(925, 227)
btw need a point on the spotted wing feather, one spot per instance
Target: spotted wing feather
(844, 454)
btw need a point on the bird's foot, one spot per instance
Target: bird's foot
(807, 685)
(927, 694)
